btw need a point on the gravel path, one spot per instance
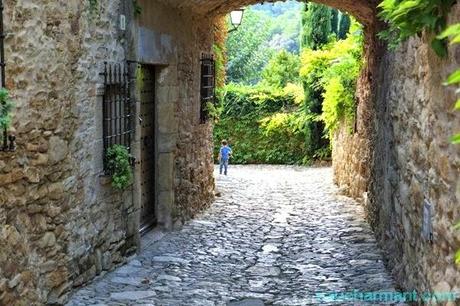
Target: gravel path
(278, 235)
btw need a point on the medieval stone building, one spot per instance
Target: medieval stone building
(88, 74)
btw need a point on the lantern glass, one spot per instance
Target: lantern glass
(236, 17)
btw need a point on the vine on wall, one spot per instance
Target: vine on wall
(453, 33)
(407, 18)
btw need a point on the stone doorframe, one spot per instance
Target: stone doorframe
(165, 138)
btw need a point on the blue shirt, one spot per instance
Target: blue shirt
(225, 152)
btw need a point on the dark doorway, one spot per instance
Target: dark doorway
(146, 83)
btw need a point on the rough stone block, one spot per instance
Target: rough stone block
(165, 171)
(167, 122)
(167, 143)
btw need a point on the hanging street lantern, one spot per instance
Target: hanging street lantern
(236, 18)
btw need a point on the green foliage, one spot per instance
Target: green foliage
(285, 26)
(263, 124)
(453, 34)
(316, 26)
(119, 165)
(266, 30)
(335, 16)
(407, 18)
(333, 72)
(247, 49)
(219, 57)
(283, 68)
(6, 106)
(279, 121)
(344, 27)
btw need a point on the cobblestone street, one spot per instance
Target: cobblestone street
(276, 236)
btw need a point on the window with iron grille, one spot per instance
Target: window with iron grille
(208, 79)
(117, 109)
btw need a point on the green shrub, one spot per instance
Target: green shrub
(119, 166)
(333, 72)
(6, 106)
(263, 124)
(283, 68)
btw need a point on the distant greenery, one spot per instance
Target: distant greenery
(265, 31)
(283, 68)
(119, 165)
(316, 25)
(407, 18)
(261, 125)
(282, 108)
(248, 50)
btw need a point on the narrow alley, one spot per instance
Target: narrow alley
(277, 235)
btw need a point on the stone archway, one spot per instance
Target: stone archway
(363, 10)
(354, 173)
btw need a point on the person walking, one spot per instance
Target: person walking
(225, 153)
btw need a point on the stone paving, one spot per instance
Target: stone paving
(278, 235)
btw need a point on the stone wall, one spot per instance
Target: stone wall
(185, 165)
(419, 164)
(61, 222)
(412, 161)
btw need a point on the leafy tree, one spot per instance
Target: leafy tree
(344, 26)
(317, 29)
(335, 21)
(316, 25)
(247, 48)
(283, 68)
(333, 71)
(278, 8)
(266, 30)
(286, 31)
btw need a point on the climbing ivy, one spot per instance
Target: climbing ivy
(119, 165)
(407, 18)
(6, 106)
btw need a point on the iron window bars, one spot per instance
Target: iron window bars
(208, 82)
(117, 107)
